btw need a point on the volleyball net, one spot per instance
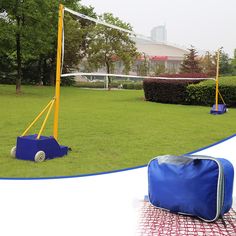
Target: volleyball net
(103, 49)
(93, 47)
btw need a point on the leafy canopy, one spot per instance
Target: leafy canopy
(110, 45)
(190, 63)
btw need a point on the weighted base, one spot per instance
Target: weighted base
(28, 148)
(221, 109)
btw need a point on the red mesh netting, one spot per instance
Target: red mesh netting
(154, 222)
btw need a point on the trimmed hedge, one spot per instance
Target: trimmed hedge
(167, 91)
(185, 75)
(204, 92)
(190, 92)
(200, 94)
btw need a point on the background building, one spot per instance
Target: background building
(170, 56)
(158, 57)
(159, 34)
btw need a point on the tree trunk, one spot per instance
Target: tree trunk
(45, 72)
(52, 76)
(53, 70)
(18, 57)
(108, 72)
(40, 71)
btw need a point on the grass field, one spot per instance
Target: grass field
(107, 130)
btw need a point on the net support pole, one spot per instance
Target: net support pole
(107, 88)
(217, 79)
(58, 71)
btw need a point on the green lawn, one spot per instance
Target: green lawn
(107, 130)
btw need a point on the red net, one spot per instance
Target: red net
(154, 222)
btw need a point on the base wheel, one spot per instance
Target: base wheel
(13, 152)
(39, 156)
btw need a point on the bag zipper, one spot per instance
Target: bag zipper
(220, 185)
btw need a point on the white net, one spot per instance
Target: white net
(104, 48)
(93, 45)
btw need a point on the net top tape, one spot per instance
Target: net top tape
(97, 21)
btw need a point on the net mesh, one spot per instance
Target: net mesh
(155, 222)
(91, 44)
(106, 45)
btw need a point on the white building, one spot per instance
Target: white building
(167, 55)
(162, 53)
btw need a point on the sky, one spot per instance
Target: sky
(205, 24)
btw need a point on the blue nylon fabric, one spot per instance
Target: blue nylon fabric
(28, 146)
(220, 110)
(228, 184)
(187, 188)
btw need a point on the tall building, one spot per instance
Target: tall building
(159, 34)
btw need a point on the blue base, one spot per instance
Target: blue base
(221, 109)
(28, 146)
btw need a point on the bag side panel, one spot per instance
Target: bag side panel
(228, 171)
(190, 188)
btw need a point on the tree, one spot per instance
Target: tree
(190, 63)
(225, 66)
(78, 36)
(208, 64)
(143, 67)
(110, 44)
(22, 18)
(6, 44)
(33, 37)
(233, 63)
(28, 40)
(158, 69)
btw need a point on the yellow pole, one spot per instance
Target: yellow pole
(58, 71)
(34, 121)
(217, 78)
(45, 120)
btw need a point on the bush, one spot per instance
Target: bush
(185, 75)
(97, 84)
(204, 92)
(190, 92)
(166, 91)
(67, 81)
(200, 94)
(7, 78)
(134, 85)
(114, 84)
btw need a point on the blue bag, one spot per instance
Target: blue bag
(194, 185)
